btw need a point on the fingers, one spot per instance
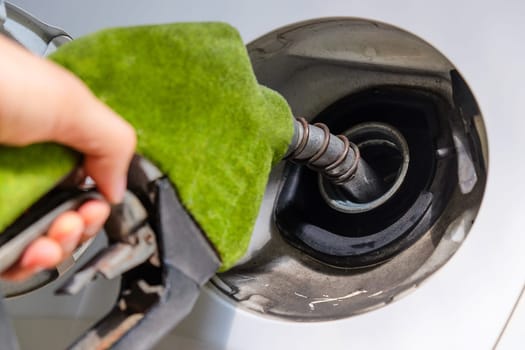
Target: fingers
(108, 144)
(41, 254)
(106, 140)
(66, 230)
(66, 112)
(94, 213)
(64, 235)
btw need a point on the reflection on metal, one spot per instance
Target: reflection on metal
(457, 230)
(55, 43)
(326, 299)
(466, 170)
(31, 33)
(479, 125)
(314, 64)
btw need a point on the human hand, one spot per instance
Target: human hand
(34, 91)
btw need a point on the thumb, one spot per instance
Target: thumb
(107, 142)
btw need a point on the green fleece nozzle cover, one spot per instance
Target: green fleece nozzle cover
(200, 116)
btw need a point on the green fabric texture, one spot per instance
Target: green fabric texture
(28, 173)
(200, 116)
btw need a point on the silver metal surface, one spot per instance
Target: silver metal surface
(374, 134)
(314, 64)
(31, 33)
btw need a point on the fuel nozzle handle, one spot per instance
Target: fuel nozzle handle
(335, 158)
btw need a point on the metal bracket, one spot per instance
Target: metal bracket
(31, 33)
